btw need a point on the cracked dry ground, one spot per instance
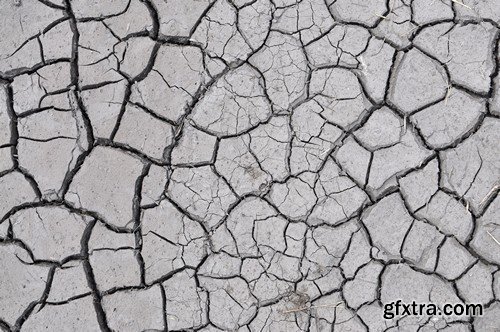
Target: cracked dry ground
(248, 165)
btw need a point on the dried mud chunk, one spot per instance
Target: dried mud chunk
(14, 190)
(104, 238)
(103, 105)
(310, 18)
(186, 302)
(219, 35)
(98, 8)
(236, 162)
(47, 146)
(307, 122)
(136, 18)
(6, 162)
(393, 160)
(133, 310)
(57, 41)
(417, 81)
(466, 49)
(400, 282)
(176, 76)
(137, 54)
(171, 240)
(357, 255)
(418, 186)
(69, 281)
(254, 22)
(383, 129)
(97, 56)
(338, 197)
(340, 46)
(454, 259)
(241, 223)
(495, 97)
(338, 91)
(201, 192)
(375, 64)
(429, 11)
(487, 231)
(322, 252)
(269, 144)
(421, 245)
(275, 318)
(99, 187)
(479, 9)
(450, 120)
(388, 222)
(34, 91)
(115, 268)
(366, 13)
(489, 320)
(325, 316)
(144, 132)
(448, 215)
(160, 257)
(19, 23)
(396, 27)
(475, 286)
(294, 198)
(21, 283)
(363, 288)
(283, 64)
(284, 267)
(179, 17)
(194, 146)
(231, 303)
(153, 185)
(270, 233)
(269, 288)
(472, 169)
(4, 117)
(60, 230)
(235, 103)
(313, 138)
(354, 160)
(370, 315)
(220, 265)
(76, 315)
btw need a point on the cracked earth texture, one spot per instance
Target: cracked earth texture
(248, 165)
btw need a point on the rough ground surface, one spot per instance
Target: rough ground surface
(248, 165)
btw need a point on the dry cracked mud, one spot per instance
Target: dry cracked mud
(248, 165)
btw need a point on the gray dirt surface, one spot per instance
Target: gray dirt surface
(248, 165)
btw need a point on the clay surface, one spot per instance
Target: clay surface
(248, 165)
